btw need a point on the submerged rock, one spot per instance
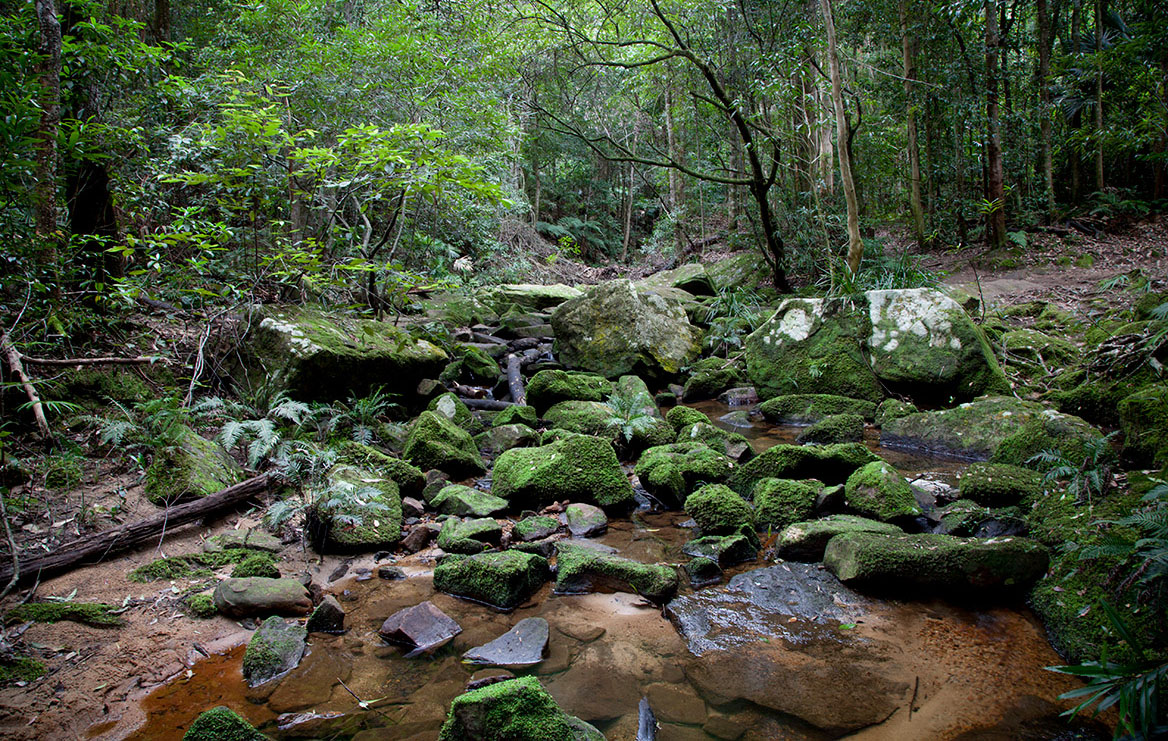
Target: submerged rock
(423, 628)
(259, 596)
(580, 569)
(523, 645)
(503, 580)
(274, 649)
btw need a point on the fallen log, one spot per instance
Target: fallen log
(491, 405)
(34, 400)
(94, 548)
(524, 343)
(515, 379)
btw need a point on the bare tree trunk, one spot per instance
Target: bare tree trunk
(1077, 119)
(855, 243)
(1100, 9)
(49, 77)
(629, 206)
(161, 20)
(995, 188)
(914, 153)
(676, 187)
(1044, 113)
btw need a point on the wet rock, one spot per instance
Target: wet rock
(536, 527)
(390, 573)
(725, 550)
(703, 572)
(879, 491)
(806, 541)
(260, 596)
(578, 468)
(328, 617)
(523, 645)
(831, 464)
(997, 484)
(503, 580)
(733, 445)
(222, 723)
(936, 564)
(516, 709)
(417, 538)
(740, 396)
(585, 521)
(422, 628)
(676, 703)
(464, 501)
(718, 510)
(472, 535)
(581, 569)
(961, 518)
(616, 328)
(670, 473)
(740, 419)
(274, 649)
(436, 442)
(256, 540)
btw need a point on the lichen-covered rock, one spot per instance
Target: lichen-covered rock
(782, 502)
(615, 329)
(436, 442)
(682, 416)
(313, 355)
(835, 428)
(806, 541)
(549, 387)
(893, 409)
(472, 535)
(260, 596)
(879, 491)
(454, 409)
(742, 270)
(536, 527)
(580, 569)
(222, 724)
(998, 484)
(831, 464)
(409, 478)
(192, 468)
(927, 564)
(274, 649)
(503, 580)
(733, 445)
(504, 437)
(357, 511)
(1035, 346)
(725, 550)
(670, 472)
(530, 296)
(464, 501)
(1144, 417)
(812, 346)
(924, 344)
(512, 710)
(801, 409)
(1001, 428)
(579, 468)
(718, 510)
(517, 414)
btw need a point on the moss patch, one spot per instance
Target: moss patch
(97, 614)
(680, 417)
(257, 564)
(360, 511)
(222, 724)
(201, 606)
(806, 541)
(408, 477)
(503, 580)
(191, 566)
(20, 669)
(276, 647)
(436, 442)
(512, 710)
(518, 414)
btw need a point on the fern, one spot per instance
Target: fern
(631, 413)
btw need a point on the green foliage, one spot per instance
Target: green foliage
(1087, 479)
(1143, 537)
(632, 413)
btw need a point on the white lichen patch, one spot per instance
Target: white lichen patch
(798, 321)
(917, 314)
(298, 344)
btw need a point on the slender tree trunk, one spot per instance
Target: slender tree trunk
(995, 189)
(1100, 9)
(49, 98)
(1044, 107)
(914, 154)
(855, 243)
(538, 189)
(629, 206)
(161, 20)
(1077, 119)
(676, 187)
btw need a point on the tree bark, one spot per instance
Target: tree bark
(95, 548)
(12, 355)
(676, 188)
(914, 153)
(1100, 9)
(1077, 119)
(49, 77)
(855, 243)
(995, 188)
(1044, 100)
(515, 379)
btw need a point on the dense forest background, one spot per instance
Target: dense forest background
(353, 149)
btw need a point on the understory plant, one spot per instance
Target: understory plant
(1087, 479)
(631, 413)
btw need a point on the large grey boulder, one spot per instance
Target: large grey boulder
(616, 328)
(261, 596)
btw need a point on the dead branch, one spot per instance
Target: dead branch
(69, 362)
(38, 410)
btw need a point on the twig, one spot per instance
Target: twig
(38, 411)
(12, 546)
(200, 363)
(141, 360)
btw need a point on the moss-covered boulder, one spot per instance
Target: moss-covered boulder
(691, 278)
(801, 409)
(259, 596)
(1144, 417)
(718, 510)
(733, 445)
(712, 378)
(670, 472)
(469, 536)
(471, 365)
(928, 564)
(782, 502)
(877, 490)
(222, 724)
(436, 442)
(504, 437)
(961, 518)
(724, 550)
(549, 387)
(835, 428)
(924, 345)
(96, 386)
(464, 501)
(503, 580)
(616, 328)
(315, 355)
(454, 409)
(580, 569)
(580, 468)
(536, 527)
(1001, 428)
(192, 468)
(274, 649)
(529, 296)
(409, 478)
(517, 414)
(806, 541)
(998, 484)
(893, 409)
(586, 417)
(512, 710)
(682, 416)
(357, 511)
(741, 270)
(812, 346)
(831, 464)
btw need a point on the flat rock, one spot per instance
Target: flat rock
(256, 540)
(523, 645)
(585, 520)
(261, 596)
(328, 617)
(422, 628)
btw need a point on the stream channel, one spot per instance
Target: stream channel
(779, 650)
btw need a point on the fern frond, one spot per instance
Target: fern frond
(231, 433)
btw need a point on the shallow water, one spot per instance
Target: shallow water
(896, 670)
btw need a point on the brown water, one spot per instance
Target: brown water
(930, 670)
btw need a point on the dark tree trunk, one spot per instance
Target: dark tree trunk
(49, 76)
(995, 189)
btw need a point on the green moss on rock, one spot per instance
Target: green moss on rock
(580, 468)
(782, 502)
(536, 527)
(512, 710)
(201, 606)
(1144, 416)
(680, 417)
(707, 383)
(469, 536)
(733, 445)
(454, 409)
(585, 417)
(97, 614)
(222, 724)
(275, 648)
(670, 472)
(549, 387)
(879, 491)
(806, 541)
(831, 464)
(835, 428)
(520, 414)
(718, 510)
(359, 511)
(801, 409)
(190, 566)
(436, 442)
(191, 468)
(503, 580)
(580, 569)
(997, 484)
(724, 550)
(464, 501)
(893, 409)
(257, 564)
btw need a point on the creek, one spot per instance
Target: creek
(777, 651)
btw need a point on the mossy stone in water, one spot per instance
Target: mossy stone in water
(810, 408)
(879, 491)
(580, 569)
(512, 710)
(681, 416)
(725, 550)
(718, 510)
(782, 502)
(192, 468)
(835, 428)
(549, 387)
(469, 536)
(503, 580)
(436, 442)
(670, 472)
(536, 527)
(579, 468)
(707, 383)
(962, 517)
(275, 648)
(520, 414)
(454, 409)
(831, 464)
(222, 724)
(806, 541)
(998, 484)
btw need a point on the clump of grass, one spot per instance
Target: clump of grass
(201, 606)
(90, 613)
(191, 566)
